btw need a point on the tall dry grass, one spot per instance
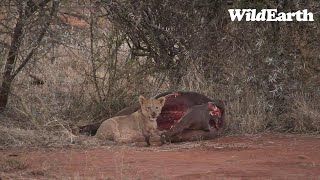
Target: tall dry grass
(303, 115)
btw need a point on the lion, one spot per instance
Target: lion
(131, 128)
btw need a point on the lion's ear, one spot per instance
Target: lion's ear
(142, 100)
(162, 100)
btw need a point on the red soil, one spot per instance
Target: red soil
(238, 157)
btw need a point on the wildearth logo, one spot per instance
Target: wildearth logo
(269, 15)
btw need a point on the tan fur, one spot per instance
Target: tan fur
(130, 128)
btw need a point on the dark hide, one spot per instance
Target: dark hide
(176, 106)
(90, 129)
(204, 117)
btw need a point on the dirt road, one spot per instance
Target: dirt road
(234, 157)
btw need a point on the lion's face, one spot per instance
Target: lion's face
(151, 108)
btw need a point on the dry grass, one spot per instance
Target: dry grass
(304, 114)
(248, 114)
(12, 165)
(17, 137)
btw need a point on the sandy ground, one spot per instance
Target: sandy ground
(235, 157)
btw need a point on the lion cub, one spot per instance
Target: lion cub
(142, 123)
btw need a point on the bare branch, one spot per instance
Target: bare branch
(38, 41)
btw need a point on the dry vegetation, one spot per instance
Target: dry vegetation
(97, 57)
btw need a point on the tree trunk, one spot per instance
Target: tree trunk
(8, 68)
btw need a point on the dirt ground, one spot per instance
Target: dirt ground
(235, 157)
